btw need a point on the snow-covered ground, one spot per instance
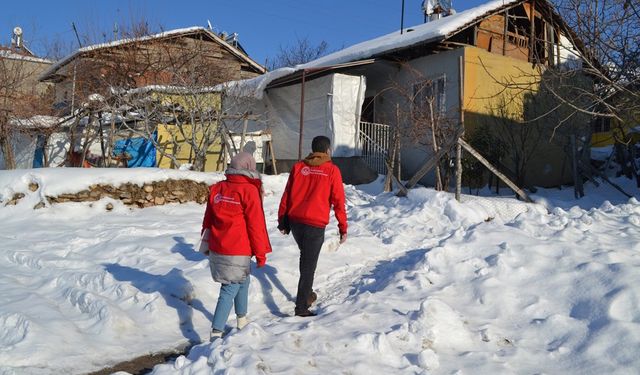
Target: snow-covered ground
(424, 284)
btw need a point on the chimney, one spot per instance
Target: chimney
(16, 38)
(436, 9)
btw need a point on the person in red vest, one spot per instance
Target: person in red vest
(237, 230)
(314, 185)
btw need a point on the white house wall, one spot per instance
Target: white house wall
(348, 96)
(428, 67)
(568, 53)
(284, 116)
(56, 149)
(332, 108)
(24, 147)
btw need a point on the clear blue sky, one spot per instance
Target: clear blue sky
(262, 26)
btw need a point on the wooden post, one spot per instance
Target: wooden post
(439, 182)
(45, 144)
(112, 134)
(458, 171)
(504, 33)
(558, 46)
(301, 114)
(222, 158)
(458, 146)
(429, 164)
(403, 190)
(578, 192)
(244, 133)
(533, 31)
(390, 162)
(102, 148)
(399, 162)
(273, 158)
(486, 163)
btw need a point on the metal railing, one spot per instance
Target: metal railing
(374, 142)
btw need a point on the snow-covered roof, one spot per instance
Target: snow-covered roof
(37, 122)
(424, 33)
(165, 34)
(8, 54)
(170, 89)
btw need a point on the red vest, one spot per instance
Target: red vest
(310, 193)
(235, 217)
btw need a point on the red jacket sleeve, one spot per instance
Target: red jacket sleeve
(208, 214)
(256, 226)
(284, 201)
(337, 200)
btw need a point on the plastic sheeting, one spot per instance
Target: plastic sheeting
(141, 151)
(57, 147)
(24, 148)
(332, 106)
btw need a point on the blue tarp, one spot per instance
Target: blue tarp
(142, 152)
(38, 157)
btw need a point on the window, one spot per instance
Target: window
(426, 92)
(368, 109)
(601, 125)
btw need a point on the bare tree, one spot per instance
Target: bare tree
(168, 85)
(423, 118)
(20, 97)
(609, 31)
(299, 52)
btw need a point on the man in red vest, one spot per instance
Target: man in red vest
(314, 185)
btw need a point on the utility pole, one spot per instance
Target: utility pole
(75, 30)
(402, 18)
(75, 65)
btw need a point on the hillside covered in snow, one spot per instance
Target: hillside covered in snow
(424, 284)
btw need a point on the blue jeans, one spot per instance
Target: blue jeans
(236, 294)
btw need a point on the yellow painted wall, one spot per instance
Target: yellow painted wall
(619, 131)
(484, 71)
(168, 134)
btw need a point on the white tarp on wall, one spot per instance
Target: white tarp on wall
(57, 147)
(24, 148)
(332, 106)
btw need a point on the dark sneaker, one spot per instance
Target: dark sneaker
(215, 335)
(305, 313)
(312, 298)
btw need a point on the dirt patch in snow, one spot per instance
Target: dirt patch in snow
(141, 365)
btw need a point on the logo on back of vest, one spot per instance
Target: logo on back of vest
(305, 171)
(221, 198)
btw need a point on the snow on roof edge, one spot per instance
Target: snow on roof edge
(172, 89)
(120, 42)
(16, 56)
(421, 33)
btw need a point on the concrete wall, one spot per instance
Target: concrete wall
(484, 76)
(382, 83)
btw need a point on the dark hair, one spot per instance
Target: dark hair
(320, 144)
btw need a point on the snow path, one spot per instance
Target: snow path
(423, 285)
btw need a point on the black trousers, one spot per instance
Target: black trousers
(309, 240)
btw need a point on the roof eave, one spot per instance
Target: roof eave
(47, 75)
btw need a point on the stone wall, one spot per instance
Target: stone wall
(147, 195)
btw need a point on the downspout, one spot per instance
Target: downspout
(301, 114)
(358, 151)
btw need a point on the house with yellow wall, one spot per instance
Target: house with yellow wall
(608, 131)
(500, 50)
(195, 123)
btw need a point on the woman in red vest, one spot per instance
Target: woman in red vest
(237, 231)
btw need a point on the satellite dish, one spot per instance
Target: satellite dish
(17, 30)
